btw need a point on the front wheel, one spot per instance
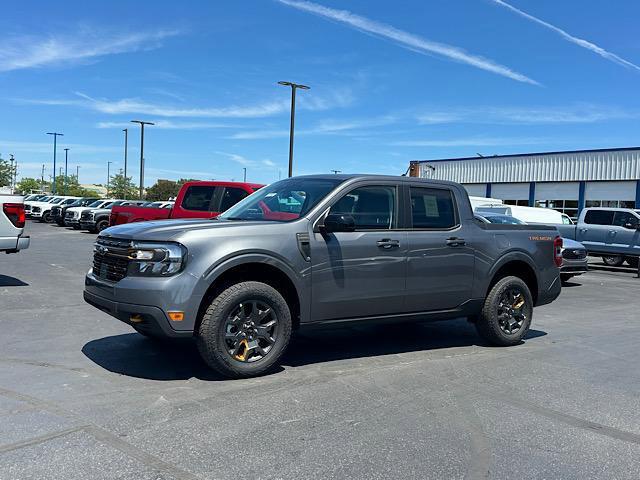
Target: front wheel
(46, 217)
(101, 225)
(633, 261)
(613, 260)
(506, 314)
(245, 330)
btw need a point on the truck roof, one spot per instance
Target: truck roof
(395, 178)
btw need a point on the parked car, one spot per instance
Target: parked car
(317, 249)
(42, 211)
(72, 215)
(59, 211)
(27, 204)
(574, 254)
(12, 220)
(97, 219)
(194, 200)
(612, 233)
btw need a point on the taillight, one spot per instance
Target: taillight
(15, 213)
(557, 251)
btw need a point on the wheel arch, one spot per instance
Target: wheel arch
(518, 265)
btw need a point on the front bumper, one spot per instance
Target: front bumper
(70, 222)
(36, 215)
(86, 225)
(150, 298)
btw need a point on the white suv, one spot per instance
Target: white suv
(42, 210)
(72, 216)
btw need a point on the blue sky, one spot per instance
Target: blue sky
(390, 82)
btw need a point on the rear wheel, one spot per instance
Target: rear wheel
(613, 260)
(633, 261)
(46, 217)
(506, 314)
(245, 330)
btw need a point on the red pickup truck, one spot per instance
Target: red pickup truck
(194, 200)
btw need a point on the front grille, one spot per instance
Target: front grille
(36, 209)
(110, 258)
(27, 207)
(574, 254)
(86, 216)
(70, 214)
(55, 211)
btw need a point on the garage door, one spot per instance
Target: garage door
(476, 189)
(610, 191)
(510, 191)
(557, 190)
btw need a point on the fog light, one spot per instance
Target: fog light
(176, 316)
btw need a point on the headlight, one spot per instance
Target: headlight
(156, 259)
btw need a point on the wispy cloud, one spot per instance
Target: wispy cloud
(337, 99)
(570, 38)
(470, 142)
(567, 114)
(47, 147)
(85, 45)
(170, 125)
(407, 40)
(246, 162)
(325, 127)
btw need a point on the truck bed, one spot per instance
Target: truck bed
(129, 214)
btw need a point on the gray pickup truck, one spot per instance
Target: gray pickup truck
(317, 249)
(612, 233)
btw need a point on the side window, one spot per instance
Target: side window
(231, 196)
(372, 207)
(620, 219)
(599, 217)
(432, 208)
(199, 198)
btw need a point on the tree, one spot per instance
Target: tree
(6, 173)
(165, 189)
(26, 185)
(121, 187)
(73, 187)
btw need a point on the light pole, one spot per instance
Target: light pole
(336, 171)
(108, 176)
(66, 166)
(126, 138)
(245, 174)
(11, 176)
(142, 124)
(78, 174)
(294, 87)
(55, 138)
(42, 179)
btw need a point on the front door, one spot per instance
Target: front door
(441, 260)
(360, 273)
(621, 239)
(593, 232)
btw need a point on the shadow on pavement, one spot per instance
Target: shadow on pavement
(7, 281)
(136, 356)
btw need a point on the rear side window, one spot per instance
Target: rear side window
(231, 196)
(599, 217)
(372, 208)
(432, 208)
(200, 198)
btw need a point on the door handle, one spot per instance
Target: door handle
(455, 242)
(388, 243)
(612, 232)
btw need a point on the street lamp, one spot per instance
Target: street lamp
(108, 177)
(142, 124)
(245, 174)
(294, 87)
(66, 165)
(78, 174)
(11, 175)
(126, 137)
(55, 138)
(336, 171)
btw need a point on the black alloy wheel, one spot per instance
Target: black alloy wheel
(511, 311)
(251, 330)
(613, 260)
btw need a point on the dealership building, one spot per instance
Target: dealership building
(565, 181)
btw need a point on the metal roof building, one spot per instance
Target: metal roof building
(566, 181)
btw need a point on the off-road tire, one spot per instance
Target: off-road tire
(210, 336)
(487, 324)
(46, 217)
(613, 260)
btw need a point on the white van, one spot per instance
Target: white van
(479, 201)
(545, 216)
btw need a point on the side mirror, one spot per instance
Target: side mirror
(338, 222)
(632, 226)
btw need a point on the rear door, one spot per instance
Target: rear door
(440, 255)
(593, 232)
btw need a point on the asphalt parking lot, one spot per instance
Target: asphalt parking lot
(84, 396)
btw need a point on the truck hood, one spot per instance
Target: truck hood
(171, 229)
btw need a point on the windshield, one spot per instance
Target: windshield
(56, 200)
(96, 203)
(282, 201)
